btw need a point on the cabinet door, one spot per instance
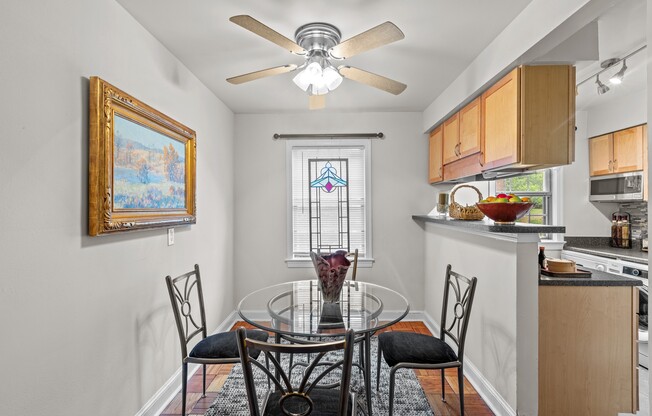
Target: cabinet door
(601, 155)
(435, 165)
(470, 128)
(451, 131)
(628, 150)
(500, 121)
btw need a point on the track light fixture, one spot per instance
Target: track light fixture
(601, 87)
(606, 65)
(617, 78)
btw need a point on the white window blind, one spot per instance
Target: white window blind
(331, 219)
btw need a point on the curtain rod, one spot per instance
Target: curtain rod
(379, 135)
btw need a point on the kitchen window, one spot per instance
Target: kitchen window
(537, 187)
(328, 193)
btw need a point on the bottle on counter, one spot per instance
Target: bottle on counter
(625, 232)
(619, 231)
(542, 257)
(614, 232)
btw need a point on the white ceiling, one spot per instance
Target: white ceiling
(620, 31)
(442, 37)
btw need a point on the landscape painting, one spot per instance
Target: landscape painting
(141, 165)
(148, 168)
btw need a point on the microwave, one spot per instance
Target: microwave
(617, 188)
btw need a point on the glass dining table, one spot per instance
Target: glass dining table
(297, 309)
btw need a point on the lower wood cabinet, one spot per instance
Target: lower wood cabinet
(588, 355)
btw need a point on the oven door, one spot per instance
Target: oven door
(619, 187)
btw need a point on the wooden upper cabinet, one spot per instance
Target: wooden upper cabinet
(628, 150)
(618, 152)
(470, 128)
(500, 117)
(451, 131)
(601, 155)
(528, 118)
(435, 165)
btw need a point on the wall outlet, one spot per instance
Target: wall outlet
(170, 236)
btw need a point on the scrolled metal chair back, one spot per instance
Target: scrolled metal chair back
(282, 383)
(463, 292)
(184, 291)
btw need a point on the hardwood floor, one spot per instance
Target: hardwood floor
(430, 381)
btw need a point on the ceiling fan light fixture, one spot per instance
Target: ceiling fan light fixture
(331, 77)
(617, 78)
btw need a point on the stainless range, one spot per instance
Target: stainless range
(622, 268)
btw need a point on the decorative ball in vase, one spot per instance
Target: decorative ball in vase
(331, 272)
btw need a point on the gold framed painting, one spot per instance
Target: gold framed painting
(141, 172)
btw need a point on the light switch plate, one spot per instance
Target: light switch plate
(170, 236)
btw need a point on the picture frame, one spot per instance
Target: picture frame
(142, 165)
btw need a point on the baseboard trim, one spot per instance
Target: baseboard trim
(498, 405)
(157, 403)
(494, 400)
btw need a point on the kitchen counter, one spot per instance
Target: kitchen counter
(597, 278)
(599, 246)
(488, 225)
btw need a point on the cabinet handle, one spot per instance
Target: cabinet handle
(615, 164)
(440, 174)
(459, 152)
(610, 163)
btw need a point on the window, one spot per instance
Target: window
(328, 192)
(537, 187)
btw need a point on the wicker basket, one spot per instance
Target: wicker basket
(471, 213)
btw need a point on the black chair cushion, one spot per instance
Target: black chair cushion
(409, 347)
(225, 345)
(326, 403)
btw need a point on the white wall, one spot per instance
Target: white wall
(399, 190)
(622, 112)
(87, 326)
(580, 216)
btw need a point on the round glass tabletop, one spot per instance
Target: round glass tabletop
(297, 308)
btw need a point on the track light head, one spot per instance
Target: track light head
(601, 87)
(617, 78)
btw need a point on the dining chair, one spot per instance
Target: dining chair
(412, 350)
(221, 348)
(302, 395)
(353, 256)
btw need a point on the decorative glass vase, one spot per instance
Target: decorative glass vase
(331, 272)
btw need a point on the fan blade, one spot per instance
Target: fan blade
(372, 79)
(268, 33)
(317, 102)
(252, 76)
(380, 35)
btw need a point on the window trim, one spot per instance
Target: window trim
(307, 143)
(554, 205)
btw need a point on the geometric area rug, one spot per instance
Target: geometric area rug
(409, 398)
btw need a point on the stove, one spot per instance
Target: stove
(622, 268)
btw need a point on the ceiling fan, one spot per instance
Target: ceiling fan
(320, 43)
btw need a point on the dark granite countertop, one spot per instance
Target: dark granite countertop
(597, 278)
(489, 226)
(599, 246)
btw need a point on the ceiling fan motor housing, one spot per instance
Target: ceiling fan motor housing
(317, 36)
